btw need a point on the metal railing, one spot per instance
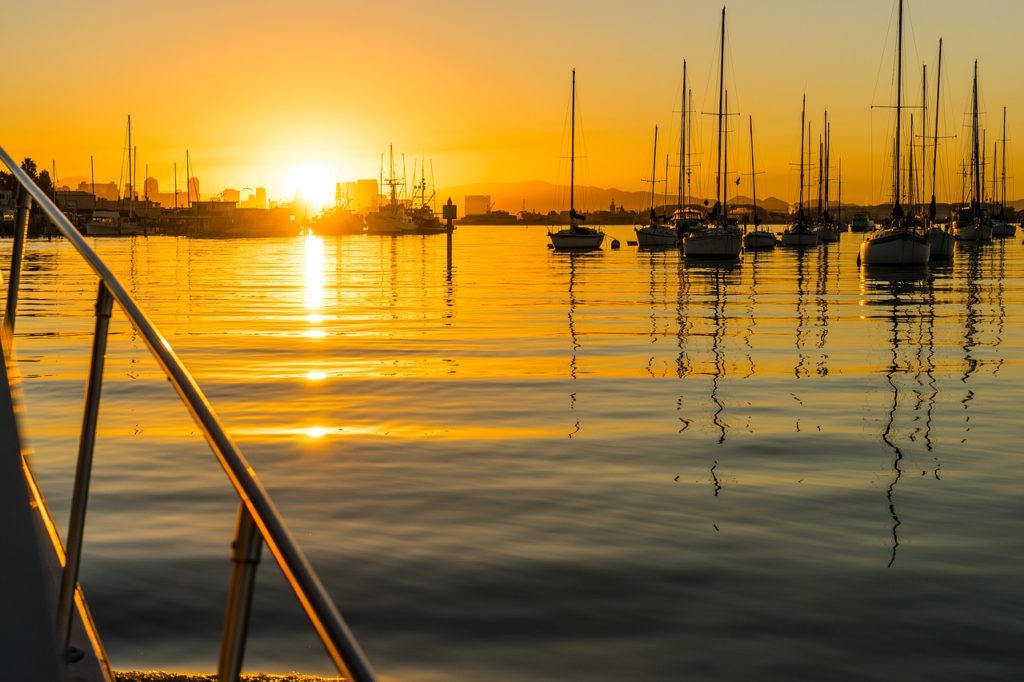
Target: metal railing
(258, 520)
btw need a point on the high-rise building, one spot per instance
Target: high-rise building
(261, 197)
(152, 188)
(364, 195)
(193, 189)
(478, 204)
(231, 195)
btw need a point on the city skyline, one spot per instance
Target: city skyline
(484, 95)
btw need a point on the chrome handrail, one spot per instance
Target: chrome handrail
(256, 508)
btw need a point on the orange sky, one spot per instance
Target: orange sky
(254, 89)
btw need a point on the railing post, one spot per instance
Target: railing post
(245, 557)
(83, 470)
(17, 253)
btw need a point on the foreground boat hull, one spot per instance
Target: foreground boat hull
(760, 239)
(1003, 229)
(940, 244)
(972, 231)
(722, 244)
(655, 236)
(894, 247)
(800, 240)
(576, 240)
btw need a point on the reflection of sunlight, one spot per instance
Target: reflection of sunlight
(316, 376)
(312, 182)
(316, 431)
(314, 334)
(314, 272)
(315, 319)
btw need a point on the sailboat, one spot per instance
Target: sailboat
(900, 242)
(801, 234)
(971, 223)
(757, 238)
(940, 237)
(123, 221)
(575, 236)
(827, 228)
(391, 218)
(685, 219)
(657, 234)
(721, 239)
(1001, 225)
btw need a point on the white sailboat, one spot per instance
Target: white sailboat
(901, 242)
(972, 224)
(800, 234)
(574, 237)
(827, 228)
(1001, 224)
(720, 240)
(657, 234)
(757, 238)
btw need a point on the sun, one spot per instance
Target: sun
(311, 182)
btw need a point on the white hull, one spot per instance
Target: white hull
(1003, 229)
(894, 247)
(799, 239)
(828, 233)
(713, 243)
(972, 231)
(656, 235)
(582, 238)
(940, 242)
(759, 239)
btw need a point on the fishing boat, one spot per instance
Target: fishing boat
(901, 241)
(657, 234)
(721, 239)
(391, 218)
(575, 237)
(971, 223)
(757, 238)
(800, 234)
(940, 237)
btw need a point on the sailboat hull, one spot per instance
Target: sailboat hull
(576, 240)
(940, 244)
(801, 240)
(714, 243)
(972, 231)
(828, 234)
(656, 236)
(895, 247)
(759, 239)
(1003, 228)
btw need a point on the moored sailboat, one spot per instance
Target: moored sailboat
(901, 242)
(657, 234)
(800, 234)
(757, 238)
(940, 237)
(720, 240)
(972, 224)
(575, 237)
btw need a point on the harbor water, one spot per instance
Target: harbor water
(547, 466)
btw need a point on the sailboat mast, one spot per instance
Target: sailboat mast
(188, 181)
(654, 169)
(828, 135)
(92, 175)
(719, 185)
(896, 211)
(753, 173)
(131, 178)
(682, 140)
(175, 184)
(572, 154)
(1002, 201)
(975, 152)
(821, 175)
(839, 195)
(935, 143)
(725, 162)
(924, 134)
(800, 203)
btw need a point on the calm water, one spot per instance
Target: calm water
(542, 466)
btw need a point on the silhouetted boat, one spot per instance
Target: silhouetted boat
(861, 222)
(391, 218)
(574, 237)
(657, 233)
(721, 239)
(123, 221)
(800, 234)
(972, 224)
(902, 241)
(940, 237)
(757, 238)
